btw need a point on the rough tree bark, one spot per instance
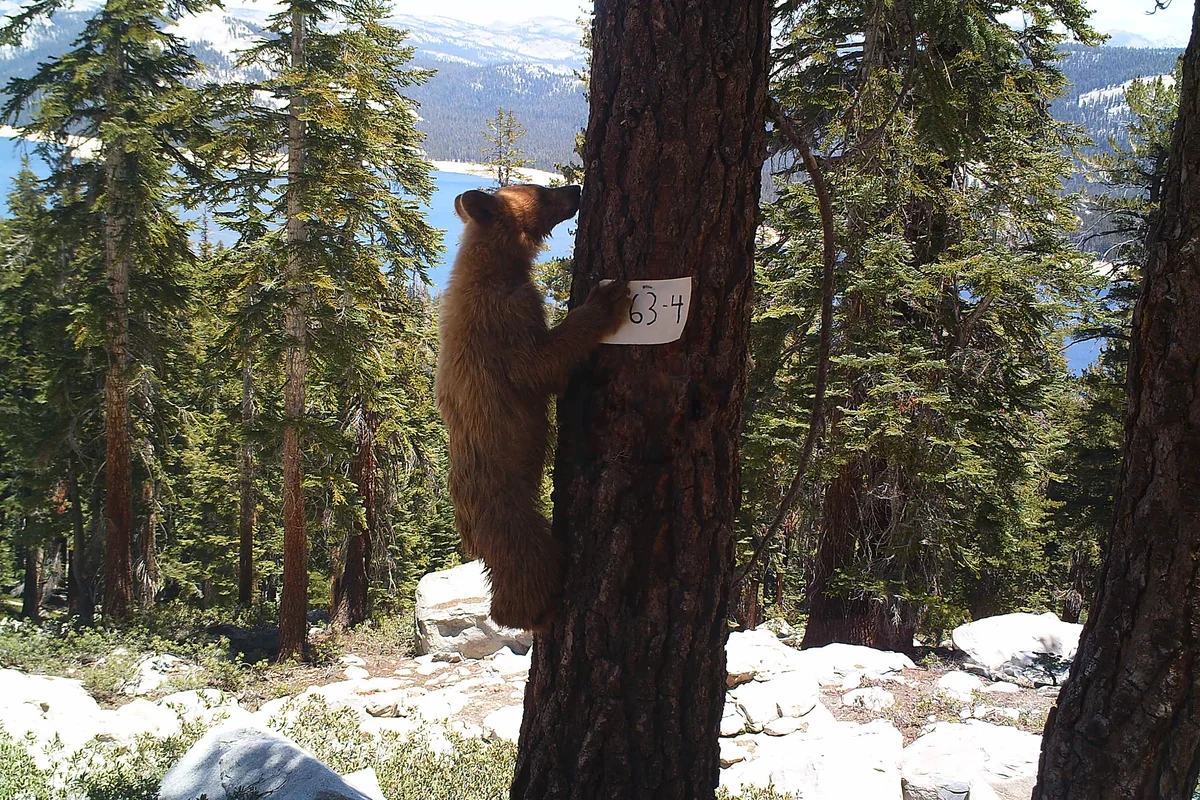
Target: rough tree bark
(626, 692)
(293, 604)
(834, 616)
(247, 500)
(118, 466)
(351, 596)
(1127, 724)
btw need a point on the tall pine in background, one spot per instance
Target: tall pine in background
(956, 280)
(354, 240)
(122, 93)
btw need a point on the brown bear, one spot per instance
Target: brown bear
(498, 365)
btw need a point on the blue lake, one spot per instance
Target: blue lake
(441, 215)
(440, 209)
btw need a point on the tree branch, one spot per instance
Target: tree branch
(817, 416)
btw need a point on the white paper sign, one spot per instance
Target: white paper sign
(658, 313)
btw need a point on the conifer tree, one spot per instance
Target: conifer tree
(1086, 470)
(956, 277)
(503, 154)
(354, 237)
(123, 89)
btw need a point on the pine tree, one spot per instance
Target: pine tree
(955, 283)
(1088, 466)
(354, 238)
(124, 89)
(501, 151)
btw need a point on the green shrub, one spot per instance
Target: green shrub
(20, 779)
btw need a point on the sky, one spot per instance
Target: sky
(1125, 15)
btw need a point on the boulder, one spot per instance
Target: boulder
(229, 762)
(959, 686)
(153, 672)
(504, 723)
(993, 641)
(792, 694)
(835, 664)
(845, 761)
(872, 698)
(758, 655)
(367, 782)
(994, 760)
(452, 615)
(60, 718)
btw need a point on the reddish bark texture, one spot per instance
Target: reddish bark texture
(1127, 724)
(626, 692)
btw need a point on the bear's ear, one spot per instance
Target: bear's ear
(475, 205)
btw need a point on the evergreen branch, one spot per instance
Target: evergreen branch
(816, 417)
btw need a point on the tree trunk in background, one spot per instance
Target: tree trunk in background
(31, 592)
(247, 499)
(832, 615)
(53, 572)
(118, 467)
(625, 694)
(146, 586)
(1127, 724)
(293, 605)
(351, 598)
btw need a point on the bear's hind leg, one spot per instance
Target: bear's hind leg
(525, 564)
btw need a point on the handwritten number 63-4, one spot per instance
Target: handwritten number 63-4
(648, 312)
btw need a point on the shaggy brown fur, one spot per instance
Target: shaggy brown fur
(498, 365)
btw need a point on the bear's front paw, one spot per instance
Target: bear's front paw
(612, 300)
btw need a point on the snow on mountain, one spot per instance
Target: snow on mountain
(1127, 39)
(549, 43)
(1112, 98)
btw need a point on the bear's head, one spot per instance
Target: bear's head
(518, 217)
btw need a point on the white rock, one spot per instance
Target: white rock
(509, 664)
(849, 761)
(230, 758)
(367, 782)
(352, 661)
(872, 698)
(452, 615)
(356, 673)
(60, 718)
(982, 712)
(504, 723)
(816, 722)
(152, 672)
(758, 655)
(992, 641)
(735, 750)
(990, 758)
(733, 721)
(200, 705)
(959, 686)
(792, 694)
(834, 663)
(1001, 687)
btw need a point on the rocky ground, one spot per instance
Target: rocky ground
(833, 722)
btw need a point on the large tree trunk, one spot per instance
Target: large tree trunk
(293, 605)
(247, 499)
(626, 692)
(31, 592)
(118, 467)
(833, 615)
(351, 596)
(1127, 724)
